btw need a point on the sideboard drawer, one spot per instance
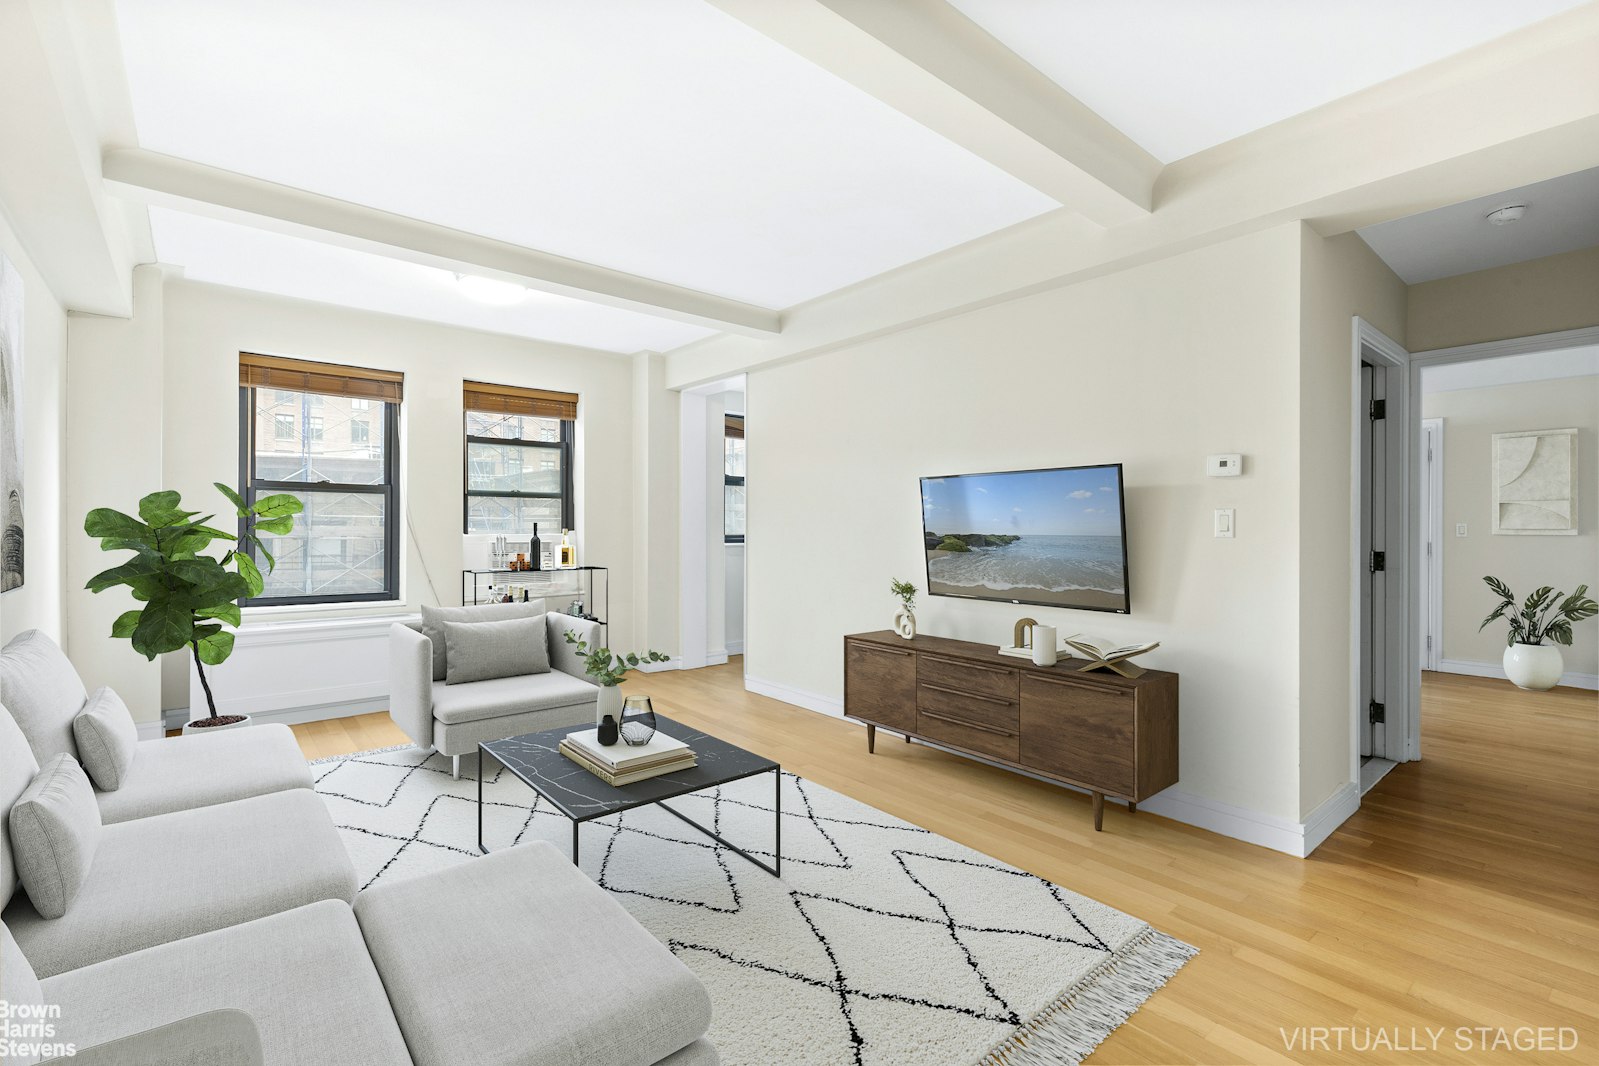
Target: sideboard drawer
(991, 711)
(1082, 732)
(880, 684)
(963, 733)
(979, 678)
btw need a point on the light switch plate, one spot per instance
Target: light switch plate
(1225, 522)
(1460, 529)
(1230, 465)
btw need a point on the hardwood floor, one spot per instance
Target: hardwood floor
(1464, 893)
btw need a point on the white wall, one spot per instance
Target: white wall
(1471, 418)
(1339, 279)
(115, 379)
(733, 601)
(42, 407)
(1154, 367)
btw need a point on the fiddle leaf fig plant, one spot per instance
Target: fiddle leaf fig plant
(190, 599)
(606, 667)
(1544, 615)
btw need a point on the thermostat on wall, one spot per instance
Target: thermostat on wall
(1224, 465)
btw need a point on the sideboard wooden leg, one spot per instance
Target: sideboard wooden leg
(907, 738)
(1099, 811)
(1132, 807)
(871, 739)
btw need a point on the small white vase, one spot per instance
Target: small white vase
(905, 624)
(189, 728)
(610, 703)
(1046, 645)
(1534, 666)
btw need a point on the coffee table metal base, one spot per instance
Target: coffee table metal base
(775, 869)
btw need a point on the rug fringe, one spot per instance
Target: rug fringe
(358, 754)
(1068, 1030)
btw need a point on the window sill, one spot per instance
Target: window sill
(289, 612)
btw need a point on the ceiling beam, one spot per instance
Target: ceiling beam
(931, 63)
(1511, 112)
(76, 236)
(165, 181)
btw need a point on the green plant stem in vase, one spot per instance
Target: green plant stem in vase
(607, 669)
(905, 618)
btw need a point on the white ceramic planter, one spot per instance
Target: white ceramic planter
(610, 704)
(1534, 666)
(189, 727)
(905, 624)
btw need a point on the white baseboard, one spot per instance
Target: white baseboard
(1256, 827)
(174, 719)
(811, 701)
(674, 663)
(1474, 668)
(735, 647)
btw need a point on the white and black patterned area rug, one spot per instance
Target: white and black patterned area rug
(883, 943)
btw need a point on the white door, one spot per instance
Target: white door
(1373, 696)
(1431, 549)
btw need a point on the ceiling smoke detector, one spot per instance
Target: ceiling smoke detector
(1503, 216)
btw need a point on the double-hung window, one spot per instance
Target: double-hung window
(518, 460)
(342, 462)
(733, 480)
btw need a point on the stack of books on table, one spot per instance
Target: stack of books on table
(623, 764)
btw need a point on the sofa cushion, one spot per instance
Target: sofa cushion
(509, 695)
(433, 619)
(55, 829)
(605, 992)
(19, 987)
(107, 737)
(160, 879)
(43, 693)
(482, 651)
(304, 976)
(17, 770)
(215, 1038)
(182, 773)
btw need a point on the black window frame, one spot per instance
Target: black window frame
(731, 480)
(250, 487)
(564, 446)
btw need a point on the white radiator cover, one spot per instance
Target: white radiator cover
(302, 671)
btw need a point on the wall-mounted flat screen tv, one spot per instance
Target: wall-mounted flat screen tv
(1056, 538)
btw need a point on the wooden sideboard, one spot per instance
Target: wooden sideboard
(1108, 734)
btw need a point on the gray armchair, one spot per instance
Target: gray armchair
(453, 719)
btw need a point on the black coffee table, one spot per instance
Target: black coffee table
(536, 759)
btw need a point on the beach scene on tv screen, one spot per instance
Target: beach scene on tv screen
(1047, 536)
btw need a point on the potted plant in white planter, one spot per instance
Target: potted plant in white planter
(189, 599)
(607, 669)
(1544, 615)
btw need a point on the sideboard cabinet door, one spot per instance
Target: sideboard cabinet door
(1080, 731)
(880, 684)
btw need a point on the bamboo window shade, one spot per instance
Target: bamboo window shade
(514, 400)
(735, 427)
(328, 379)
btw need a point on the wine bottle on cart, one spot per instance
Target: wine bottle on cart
(534, 561)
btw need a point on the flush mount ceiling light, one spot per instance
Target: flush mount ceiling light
(491, 291)
(1503, 216)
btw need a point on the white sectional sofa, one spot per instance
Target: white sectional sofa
(223, 933)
